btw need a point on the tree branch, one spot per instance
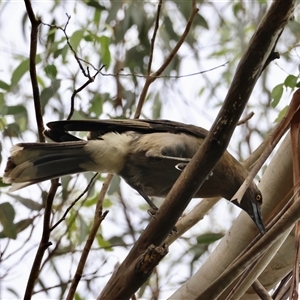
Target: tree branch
(154, 36)
(156, 74)
(35, 23)
(44, 243)
(98, 218)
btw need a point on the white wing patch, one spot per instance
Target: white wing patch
(109, 154)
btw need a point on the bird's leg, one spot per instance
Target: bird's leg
(153, 209)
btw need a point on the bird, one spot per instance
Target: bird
(148, 154)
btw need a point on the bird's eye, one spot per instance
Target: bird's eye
(258, 198)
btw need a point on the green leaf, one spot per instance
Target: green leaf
(291, 81)
(17, 227)
(12, 130)
(7, 215)
(157, 106)
(107, 203)
(60, 52)
(30, 204)
(14, 292)
(83, 229)
(23, 224)
(2, 105)
(51, 34)
(103, 243)
(281, 114)
(41, 82)
(169, 28)
(70, 221)
(104, 50)
(7, 212)
(48, 92)
(97, 105)
(1, 161)
(76, 38)
(91, 201)
(16, 110)
(276, 94)
(201, 21)
(115, 6)
(4, 85)
(51, 71)
(88, 38)
(97, 17)
(209, 238)
(237, 8)
(95, 4)
(77, 296)
(21, 70)
(117, 240)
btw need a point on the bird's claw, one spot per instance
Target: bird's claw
(152, 211)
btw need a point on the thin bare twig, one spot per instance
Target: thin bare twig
(64, 30)
(129, 223)
(69, 225)
(163, 76)
(44, 243)
(152, 77)
(90, 80)
(74, 202)
(86, 72)
(153, 37)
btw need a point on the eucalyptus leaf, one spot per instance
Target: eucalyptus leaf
(4, 86)
(7, 215)
(276, 94)
(28, 203)
(21, 70)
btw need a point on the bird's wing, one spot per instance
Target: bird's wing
(101, 127)
(60, 136)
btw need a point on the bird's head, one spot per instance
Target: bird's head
(251, 203)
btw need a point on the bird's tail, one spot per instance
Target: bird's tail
(31, 163)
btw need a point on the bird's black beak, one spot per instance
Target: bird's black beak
(257, 218)
(254, 211)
